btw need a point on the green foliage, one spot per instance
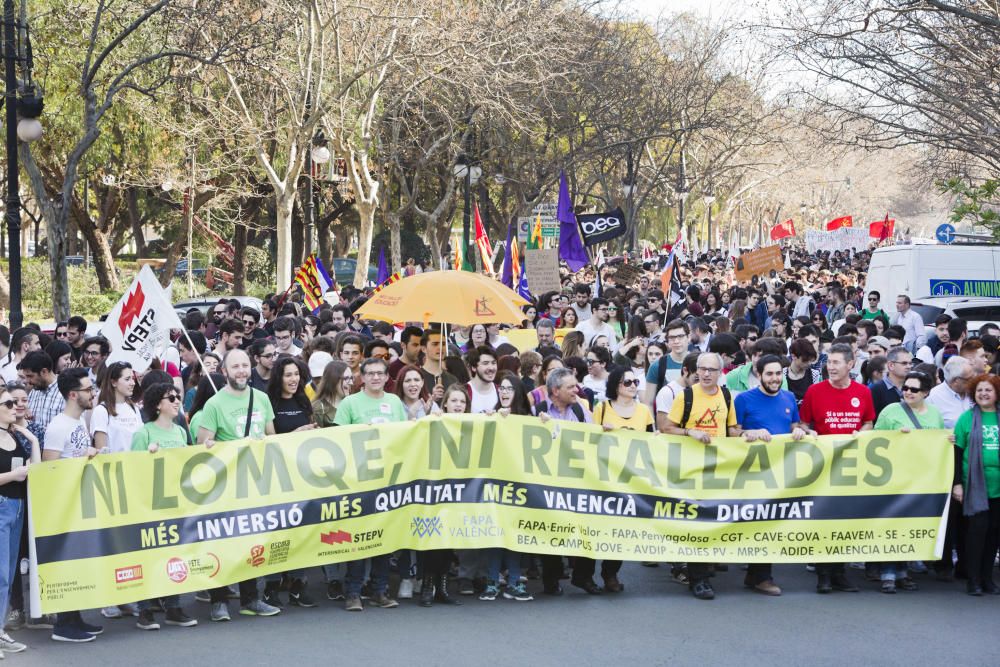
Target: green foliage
(410, 245)
(974, 203)
(260, 267)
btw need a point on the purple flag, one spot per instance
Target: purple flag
(383, 269)
(570, 246)
(507, 276)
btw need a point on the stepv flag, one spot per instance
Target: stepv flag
(314, 281)
(138, 327)
(383, 269)
(571, 248)
(837, 223)
(783, 230)
(483, 241)
(388, 281)
(882, 230)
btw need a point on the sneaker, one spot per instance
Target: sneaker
(43, 622)
(71, 633)
(233, 593)
(155, 606)
(259, 608)
(517, 592)
(405, 589)
(147, 621)
(702, 590)
(8, 645)
(466, 587)
(272, 597)
(334, 590)
(490, 592)
(679, 575)
(300, 599)
(888, 586)
(220, 611)
(111, 612)
(383, 601)
(176, 616)
(202, 596)
(92, 629)
(353, 603)
(15, 620)
(907, 584)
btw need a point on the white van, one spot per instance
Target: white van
(934, 270)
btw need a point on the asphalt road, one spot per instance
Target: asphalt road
(653, 622)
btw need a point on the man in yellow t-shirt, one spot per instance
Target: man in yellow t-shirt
(711, 415)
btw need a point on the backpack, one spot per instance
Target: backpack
(689, 403)
(574, 407)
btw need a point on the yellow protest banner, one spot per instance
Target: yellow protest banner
(132, 526)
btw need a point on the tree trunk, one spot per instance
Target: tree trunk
(170, 265)
(239, 261)
(283, 205)
(104, 261)
(435, 246)
(135, 221)
(298, 234)
(56, 221)
(325, 248)
(395, 243)
(367, 212)
(342, 243)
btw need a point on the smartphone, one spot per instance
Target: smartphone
(16, 462)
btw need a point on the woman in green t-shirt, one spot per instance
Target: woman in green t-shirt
(900, 417)
(161, 404)
(977, 482)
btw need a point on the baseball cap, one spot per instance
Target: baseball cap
(881, 341)
(318, 361)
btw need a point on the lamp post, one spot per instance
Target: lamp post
(709, 199)
(22, 124)
(628, 189)
(471, 174)
(318, 154)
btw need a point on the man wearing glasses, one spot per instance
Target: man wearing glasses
(872, 309)
(95, 351)
(67, 437)
(263, 354)
(251, 331)
(890, 389)
(372, 405)
(703, 411)
(667, 368)
(654, 334)
(284, 336)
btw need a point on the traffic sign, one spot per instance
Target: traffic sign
(945, 233)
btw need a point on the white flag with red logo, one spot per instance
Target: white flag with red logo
(139, 325)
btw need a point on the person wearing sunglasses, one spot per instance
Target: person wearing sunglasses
(161, 405)
(872, 309)
(912, 412)
(598, 360)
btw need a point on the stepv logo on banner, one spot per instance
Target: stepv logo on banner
(601, 227)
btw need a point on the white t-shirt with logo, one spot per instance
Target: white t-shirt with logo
(67, 436)
(118, 428)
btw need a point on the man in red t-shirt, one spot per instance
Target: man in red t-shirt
(838, 406)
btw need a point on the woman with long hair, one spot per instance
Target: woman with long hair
(977, 482)
(115, 417)
(335, 384)
(479, 335)
(437, 562)
(530, 316)
(737, 310)
(713, 303)
(819, 321)
(569, 319)
(411, 389)
(161, 405)
(287, 391)
(207, 388)
(18, 446)
(572, 344)
(618, 318)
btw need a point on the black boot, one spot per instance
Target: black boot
(272, 594)
(441, 595)
(427, 591)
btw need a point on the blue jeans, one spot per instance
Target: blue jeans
(495, 559)
(11, 520)
(356, 576)
(892, 571)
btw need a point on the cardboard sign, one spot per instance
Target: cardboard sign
(627, 275)
(759, 262)
(542, 267)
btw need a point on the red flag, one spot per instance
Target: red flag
(837, 223)
(783, 230)
(882, 229)
(483, 241)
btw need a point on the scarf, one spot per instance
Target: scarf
(975, 500)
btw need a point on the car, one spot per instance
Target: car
(204, 304)
(975, 310)
(344, 267)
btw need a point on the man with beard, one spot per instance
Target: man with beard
(598, 325)
(483, 396)
(762, 412)
(236, 412)
(263, 354)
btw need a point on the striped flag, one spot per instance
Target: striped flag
(314, 280)
(535, 238)
(390, 280)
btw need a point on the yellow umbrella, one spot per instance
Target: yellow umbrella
(450, 297)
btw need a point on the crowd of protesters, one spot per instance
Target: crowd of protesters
(805, 351)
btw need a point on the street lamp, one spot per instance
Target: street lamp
(318, 154)
(709, 198)
(471, 174)
(22, 124)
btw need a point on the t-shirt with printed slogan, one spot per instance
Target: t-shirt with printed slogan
(833, 411)
(226, 414)
(150, 433)
(360, 408)
(68, 436)
(709, 413)
(991, 449)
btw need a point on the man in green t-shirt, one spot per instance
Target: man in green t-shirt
(873, 310)
(224, 418)
(372, 405)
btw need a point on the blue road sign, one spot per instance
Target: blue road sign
(945, 233)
